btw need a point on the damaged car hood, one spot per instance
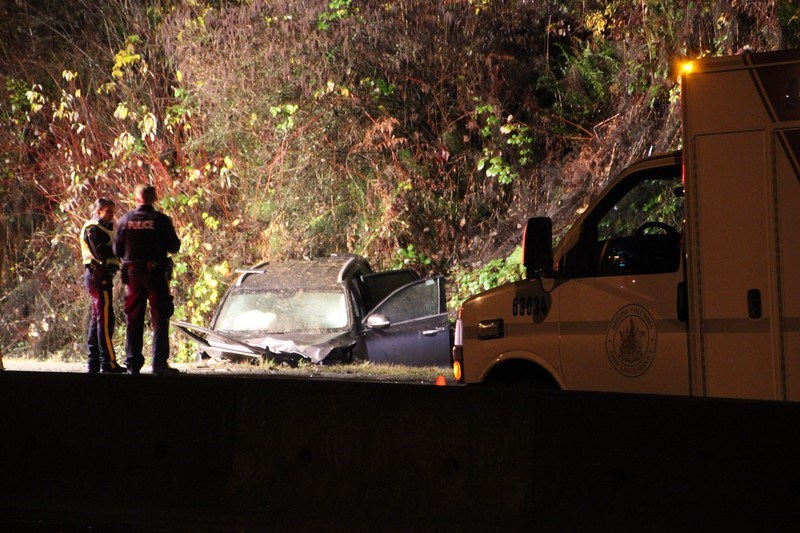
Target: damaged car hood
(312, 346)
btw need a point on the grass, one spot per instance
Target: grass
(363, 369)
(63, 361)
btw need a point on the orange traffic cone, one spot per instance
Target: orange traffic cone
(440, 381)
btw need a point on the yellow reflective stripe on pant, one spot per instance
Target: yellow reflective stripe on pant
(107, 311)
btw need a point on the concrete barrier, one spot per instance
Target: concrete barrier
(210, 453)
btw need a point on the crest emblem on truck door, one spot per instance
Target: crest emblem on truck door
(631, 340)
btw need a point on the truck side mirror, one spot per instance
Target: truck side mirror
(537, 247)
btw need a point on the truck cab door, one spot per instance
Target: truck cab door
(410, 326)
(620, 328)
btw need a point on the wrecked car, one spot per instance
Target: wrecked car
(328, 310)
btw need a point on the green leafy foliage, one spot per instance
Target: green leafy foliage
(495, 272)
(337, 10)
(508, 146)
(409, 257)
(284, 115)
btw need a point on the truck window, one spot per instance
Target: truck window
(640, 232)
(635, 229)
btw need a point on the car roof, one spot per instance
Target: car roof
(310, 274)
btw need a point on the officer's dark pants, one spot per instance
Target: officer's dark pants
(147, 285)
(101, 323)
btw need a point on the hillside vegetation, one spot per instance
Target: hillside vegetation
(413, 132)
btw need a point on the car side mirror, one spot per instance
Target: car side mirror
(537, 247)
(378, 322)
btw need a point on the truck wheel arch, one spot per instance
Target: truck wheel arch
(522, 368)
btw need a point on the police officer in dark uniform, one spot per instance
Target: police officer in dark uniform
(143, 239)
(101, 264)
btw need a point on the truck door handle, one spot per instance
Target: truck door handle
(754, 303)
(432, 332)
(490, 329)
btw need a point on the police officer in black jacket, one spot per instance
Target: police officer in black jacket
(101, 264)
(143, 239)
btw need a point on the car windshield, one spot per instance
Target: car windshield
(282, 312)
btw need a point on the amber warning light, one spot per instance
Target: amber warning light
(458, 342)
(686, 67)
(456, 370)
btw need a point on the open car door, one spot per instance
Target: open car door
(410, 326)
